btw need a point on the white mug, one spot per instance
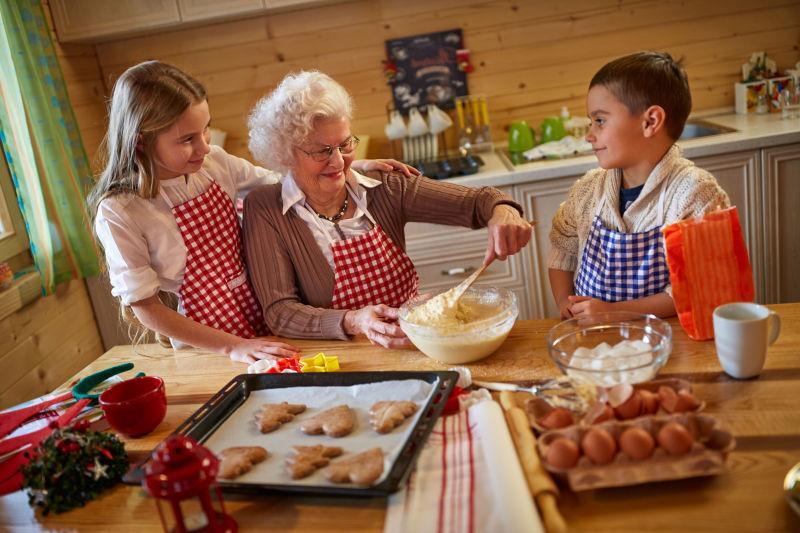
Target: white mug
(742, 332)
(416, 124)
(438, 120)
(396, 128)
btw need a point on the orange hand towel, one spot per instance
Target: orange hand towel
(708, 266)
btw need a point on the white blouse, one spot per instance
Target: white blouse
(143, 246)
(324, 231)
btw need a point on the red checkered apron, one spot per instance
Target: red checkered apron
(216, 291)
(370, 269)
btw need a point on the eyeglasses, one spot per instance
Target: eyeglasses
(320, 156)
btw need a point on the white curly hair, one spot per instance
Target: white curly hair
(286, 117)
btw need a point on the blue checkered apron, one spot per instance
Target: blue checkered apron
(619, 266)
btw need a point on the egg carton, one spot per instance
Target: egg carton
(707, 456)
(538, 407)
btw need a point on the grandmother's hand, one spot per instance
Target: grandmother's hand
(251, 350)
(386, 165)
(379, 324)
(508, 233)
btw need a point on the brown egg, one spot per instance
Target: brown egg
(631, 408)
(649, 402)
(637, 443)
(556, 419)
(675, 439)
(686, 402)
(668, 398)
(562, 453)
(619, 394)
(599, 446)
(606, 414)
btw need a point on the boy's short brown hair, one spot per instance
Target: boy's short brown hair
(649, 78)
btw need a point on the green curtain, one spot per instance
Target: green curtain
(43, 147)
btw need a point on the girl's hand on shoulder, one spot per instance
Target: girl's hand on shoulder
(582, 306)
(379, 324)
(386, 165)
(508, 233)
(251, 350)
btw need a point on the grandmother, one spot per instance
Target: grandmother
(325, 247)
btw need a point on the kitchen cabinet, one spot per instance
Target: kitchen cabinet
(739, 174)
(192, 10)
(781, 227)
(95, 20)
(540, 200)
(78, 20)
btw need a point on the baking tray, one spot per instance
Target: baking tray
(202, 424)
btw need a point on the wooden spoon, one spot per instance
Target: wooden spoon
(462, 287)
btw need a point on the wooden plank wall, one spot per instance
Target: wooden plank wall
(531, 57)
(47, 342)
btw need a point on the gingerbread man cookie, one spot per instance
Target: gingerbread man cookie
(302, 461)
(239, 459)
(361, 469)
(334, 422)
(273, 415)
(385, 416)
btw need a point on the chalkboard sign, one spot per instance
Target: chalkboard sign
(427, 70)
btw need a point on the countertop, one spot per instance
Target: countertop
(762, 413)
(753, 132)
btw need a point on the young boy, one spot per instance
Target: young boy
(609, 228)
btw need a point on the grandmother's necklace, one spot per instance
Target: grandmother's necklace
(338, 216)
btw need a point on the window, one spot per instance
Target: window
(13, 237)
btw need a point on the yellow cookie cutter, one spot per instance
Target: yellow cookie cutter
(319, 363)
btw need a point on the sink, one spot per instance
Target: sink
(700, 128)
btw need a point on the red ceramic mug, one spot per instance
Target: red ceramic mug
(136, 406)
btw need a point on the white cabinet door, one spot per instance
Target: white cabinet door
(540, 200)
(88, 19)
(782, 222)
(739, 175)
(192, 10)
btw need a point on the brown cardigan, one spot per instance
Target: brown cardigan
(291, 277)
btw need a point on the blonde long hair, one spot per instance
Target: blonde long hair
(147, 99)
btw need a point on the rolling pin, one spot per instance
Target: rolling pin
(539, 481)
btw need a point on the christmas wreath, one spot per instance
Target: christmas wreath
(71, 467)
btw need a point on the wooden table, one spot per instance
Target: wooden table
(763, 413)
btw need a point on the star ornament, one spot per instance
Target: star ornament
(100, 470)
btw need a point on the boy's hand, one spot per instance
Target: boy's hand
(563, 308)
(581, 306)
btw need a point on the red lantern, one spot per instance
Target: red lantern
(184, 473)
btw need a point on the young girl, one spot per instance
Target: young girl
(163, 210)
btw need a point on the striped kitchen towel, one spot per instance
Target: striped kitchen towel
(467, 479)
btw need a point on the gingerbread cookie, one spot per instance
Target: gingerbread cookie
(239, 459)
(361, 469)
(334, 422)
(385, 416)
(273, 415)
(302, 461)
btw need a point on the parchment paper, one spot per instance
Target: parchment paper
(240, 429)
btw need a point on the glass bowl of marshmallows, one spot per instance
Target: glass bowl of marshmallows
(610, 348)
(463, 331)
